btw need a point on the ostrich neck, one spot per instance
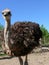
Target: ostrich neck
(7, 34)
(7, 25)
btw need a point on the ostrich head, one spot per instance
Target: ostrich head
(6, 14)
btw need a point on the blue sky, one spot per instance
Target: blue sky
(27, 10)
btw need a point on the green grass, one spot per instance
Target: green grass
(2, 54)
(45, 44)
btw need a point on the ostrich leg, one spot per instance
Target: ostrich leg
(26, 61)
(23, 62)
(20, 60)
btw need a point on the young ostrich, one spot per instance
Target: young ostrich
(21, 38)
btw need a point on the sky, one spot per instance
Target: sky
(27, 10)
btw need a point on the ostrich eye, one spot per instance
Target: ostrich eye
(9, 13)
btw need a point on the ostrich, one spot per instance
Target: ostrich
(20, 38)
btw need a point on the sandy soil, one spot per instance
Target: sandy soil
(33, 59)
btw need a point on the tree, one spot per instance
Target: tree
(45, 36)
(1, 28)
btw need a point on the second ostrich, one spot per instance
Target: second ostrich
(21, 38)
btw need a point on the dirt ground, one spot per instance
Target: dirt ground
(33, 59)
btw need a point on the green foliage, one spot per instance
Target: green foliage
(3, 54)
(45, 36)
(1, 27)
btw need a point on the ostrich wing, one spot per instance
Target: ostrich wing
(25, 33)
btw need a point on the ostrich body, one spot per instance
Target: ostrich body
(21, 38)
